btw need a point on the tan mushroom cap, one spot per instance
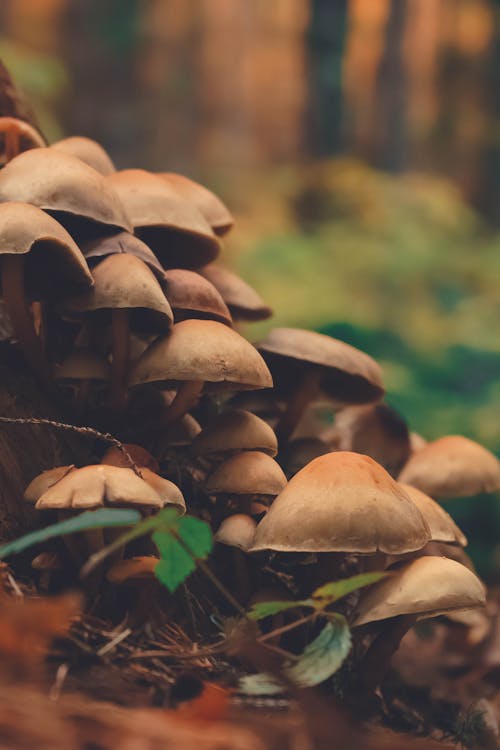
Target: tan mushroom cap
(452, 466)
(88, 151)
(425, 587)
(417, 442)
(95, 486)
(167, 491)
(27, 135)
(243, 301)
(210, 205)
(55, 267)
(63, 184)
(342, 502)
(247, 473)
(192, 296)
(82, 364)
(347, 374)
(173, 228)
(203, 350)
(122, 243)
(233, 431)
(45, 481)
(139, 455)
(443, 527)
(132, 569)
(236, 531)
(125, 282)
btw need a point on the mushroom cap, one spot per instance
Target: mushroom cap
(55, 267)
(210, 205)
(173, 228)
(301, 451)
(28, 136)
(443, 527)
(243, 301)
(88, 151)
(202, 350)
(192, 296)
(417, 442)
(47, 561)
(177, 435)
(167, 491)
(347, 374)
(377, 431)
(247, 473)
(95, 486)
(122, 242)
(342, 502)
(125, 282)
(83, 364)
(65, 186)
(139, 455)
(236, 531)
(232, 431)
(426, 587)
(45, 481)
(132, 569)
(452, 466)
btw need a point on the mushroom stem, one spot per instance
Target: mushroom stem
(20, 315)
(377, 659)
(298, 403)
(120, 342)
(81, 395)
(185, 398)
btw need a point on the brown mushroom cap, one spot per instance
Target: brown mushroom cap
(167, 491)
(342, 502)
(55, 267)
(132, 569)
(178, 435)
(209, 204)
(203, 350)
(234, 431)
(174, 229)
(247, 473)
(417, 442)
(347, 374)
(45, 481)
(47, 561)
(82, 364)
(236, 531)
(452, 466)
(66, 187)
(243, 301)
(122, 242)
(95, 486)
(139, 455)
(27, 135)
(443, 527)
(124, 281)
(192, 296)
(88, 151)
(426, 587)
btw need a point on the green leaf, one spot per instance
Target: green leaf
(330, 592)
(176, 564)
(196, 535)
(167, 520)
(319, 661)
(266, 609)
(91, 519)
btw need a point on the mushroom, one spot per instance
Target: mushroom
(81, 370)
(303, 363)
(44, 481)
(425, 587)
(122, 243)
(39, 260)
(236, 534)
(377, 431)
(233, 431)
(452, 466)
(88, 151)
(75, 194)
(442, 526)
(17, 136)
(201, 354)
(236, 531)
(417, 442)
(139, 455)
(46, 564)
(244, 303)
(126, 292)
(174, 229)
(244, 478)
(213, 209)
(136, 576)
(192, 296)
(301, 451)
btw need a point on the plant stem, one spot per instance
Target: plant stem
(286, 628)
(140, 529)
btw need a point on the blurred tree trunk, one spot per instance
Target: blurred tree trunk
(326, 40)
(391, 93)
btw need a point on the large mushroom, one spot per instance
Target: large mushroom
(39, 261)
(192, 296)
(174, 229)
(234, 431)
(213, 209)
(452, 466)
(305, 363)
(88, 151)
(243, 301)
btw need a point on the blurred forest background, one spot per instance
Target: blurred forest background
(358, 143)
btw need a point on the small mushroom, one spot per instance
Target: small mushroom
(139, 455)
(212, 208)
(17, 136)
(82, 371)
(136, 576)
(244, 303)
(236, 534)
(234, 431)
(44, 481)
(88, 151)
(120, 243)
(192, 296)
(442, 526)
